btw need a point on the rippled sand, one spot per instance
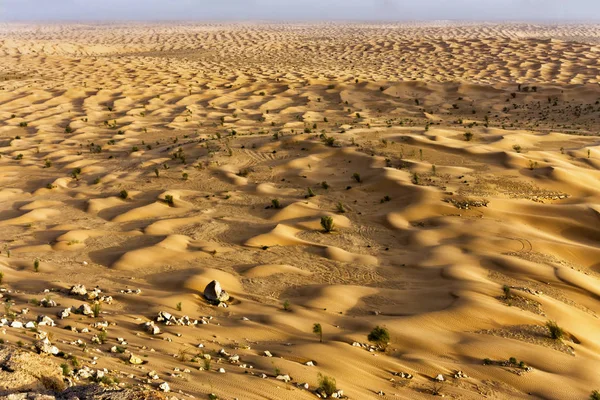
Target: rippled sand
(227, 117)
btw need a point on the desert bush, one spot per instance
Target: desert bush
(506, 290)
(318, 330)
(287, 306)
(184, 176)
(179, 306)
(36, 265)
(329, 141)
(595, 395)
(124, 194)
(327, 223)
(340, 208)
(415, 178)
(533, 165)
(356, 177)
(380, 336)
(468, 136)
(96, 308)
(275, 203)
(327, 384)
(555, 331)
(66, 371)
(310, 193)
(1, 277)
(325, 185)
(517, 148)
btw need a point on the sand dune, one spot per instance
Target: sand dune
(459, 162)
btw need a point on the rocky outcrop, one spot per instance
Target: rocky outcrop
(22, 371)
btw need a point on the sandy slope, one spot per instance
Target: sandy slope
(226, 118)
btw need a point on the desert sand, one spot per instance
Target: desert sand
(460, 164)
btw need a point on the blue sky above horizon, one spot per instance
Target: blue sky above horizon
(387, 10)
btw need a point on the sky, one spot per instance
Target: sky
(298, 10)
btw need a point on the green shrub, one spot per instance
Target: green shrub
(555, 331)
(506, 290)
(327, 223)
(380, 336)
(318, 330)
(66, 371)
(275, 203)
(96, 308)
(340, 207)
(124, 194)
(356, 177)
(595, 395)
(327, 384)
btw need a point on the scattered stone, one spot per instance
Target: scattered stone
(214, 293)
(30, 325)
(403, 375)
(151, 328)
(78, 290)
(164, 387)
(44, 346)
(16, 324)
(135, 360)
(309, 364)
(285, 378)
(131, 291)
(460, 375)
(84, 309)
(47, 303)
(268, 353)
(64, 313)
(222, 370)
(439, 378)
(44, 320)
